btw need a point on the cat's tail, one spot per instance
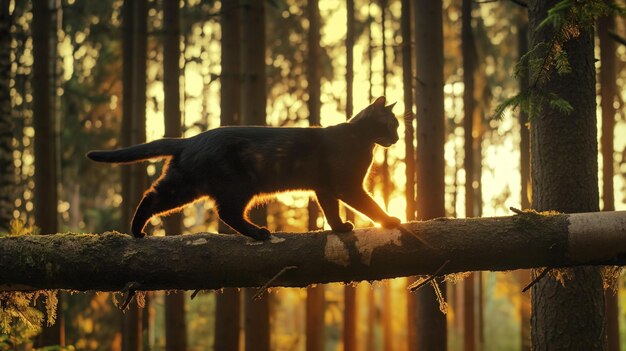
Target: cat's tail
(154, 149)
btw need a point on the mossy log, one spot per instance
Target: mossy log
(113, 261)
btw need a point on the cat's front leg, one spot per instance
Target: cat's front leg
(361, 201)
(330, 207)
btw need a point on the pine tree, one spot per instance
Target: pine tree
(428, 321)
(175, 324)
(7, 167)
(564, 169)
(228, 302)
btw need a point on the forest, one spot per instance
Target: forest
(508, 175)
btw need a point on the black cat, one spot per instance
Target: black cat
(235, 165)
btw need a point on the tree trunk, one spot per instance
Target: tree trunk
(430, 323)
(230, 77)
(228, 303)
(469, 109)
(564, 155)
(349, 291)
(608, 93)
(7, 167)
(134, 179)
(524, 147)
(45, 144)
(175, 324)
(130, 319)
(253, 112)
(350, 318)
(315, 301)
(315, 311)
(253, 63)
(227, 319)
(45, 196)
(409, 143)
(257, 321)
(407, 83)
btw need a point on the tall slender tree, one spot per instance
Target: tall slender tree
(409, 133)
(385, 173)
(253, 112)
(134, 178)
(7, 167)
(524, 147)
(175, 324)
(349, 291)
(315, 294)
(608, 93)
(409, 143)
(564, 156)
(468, 49)
(428, 321)
(228, 302)
(46, 141)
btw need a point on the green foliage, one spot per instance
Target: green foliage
(18, 227)
(19, 319)
(566, 21)
(512, 102)
(533, 102)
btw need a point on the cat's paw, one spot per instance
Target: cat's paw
(138, 234)
(343, 227)
(390, 222)
(261, 234)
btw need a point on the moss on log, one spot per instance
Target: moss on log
(111, 261)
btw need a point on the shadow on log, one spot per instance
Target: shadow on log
(111, 261)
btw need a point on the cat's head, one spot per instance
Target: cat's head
(378, 122)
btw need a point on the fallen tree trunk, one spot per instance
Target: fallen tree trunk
(112, 261)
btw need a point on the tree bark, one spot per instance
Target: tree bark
(253, 112)
(230, 77)
(257, 321)
(315, 301)
(175, 324)
(407, 86)
(7, 167)
(227, 319)
(608, 93)
(469, 108)
(134, 178)
(254, 93)
(110, 261)
(564, 169)
(349, 291)
(228, 303)
(46, 143)
(315, 311)
(409, 143)
(524, 275)
(429, 322)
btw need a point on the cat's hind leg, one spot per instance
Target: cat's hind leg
(167, 195)
(233, 213)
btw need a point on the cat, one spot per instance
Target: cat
(236, 166)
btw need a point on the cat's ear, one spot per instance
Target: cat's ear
(390, 107)
(380, 102)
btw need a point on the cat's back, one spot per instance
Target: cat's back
(256, 136)
(224, 143)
